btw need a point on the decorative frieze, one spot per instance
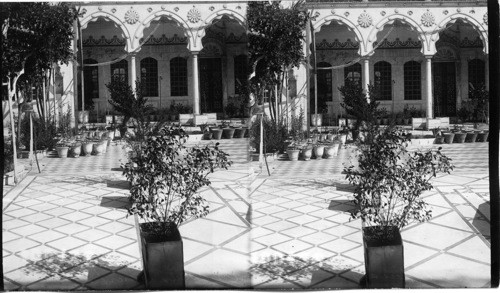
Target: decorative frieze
(336, 45)
(115, 41)
(398, 44)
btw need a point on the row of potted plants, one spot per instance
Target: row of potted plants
(220, 132)
(461, 136)
(86, 143)
(318, 146)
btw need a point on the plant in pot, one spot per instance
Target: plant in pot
(389, 181)
(332, 148)
(62, 148)
(293, 150)
(165, 178)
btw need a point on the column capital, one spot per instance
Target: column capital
(428, 56)
(195, 52)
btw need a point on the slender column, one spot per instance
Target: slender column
(132, 71)
(428, 85)
(196, 86)
(365, 76)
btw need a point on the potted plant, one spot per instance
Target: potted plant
(318, 150)
(293, 150)
(389, 181)
(62, 149)
(331, 149)
(306, 152)
(165, 178)
(75, 149)
(87, 147)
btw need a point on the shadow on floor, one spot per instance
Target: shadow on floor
(345, 205)
(116, 202)
(80, 268)
(481, 220)
(304, 272)
(119, 184)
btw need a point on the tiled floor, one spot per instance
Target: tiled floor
(67, 229)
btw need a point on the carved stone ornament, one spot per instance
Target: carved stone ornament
(410, 12)
(333, 11)
(194, 15)
(346, 14)
(428, 19)
(100, 8)
(485, 18)
(472, 11)
(113, 10)
(131, 16)
(382, 13)
(364, 20)
(238, 7)
(445, 12)
(459, 10)
(163, 7)
(211, 8)
(150, 9)
(176, 9)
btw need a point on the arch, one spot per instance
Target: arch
(483, 33)
(229, 13)
(372, 37)
(139, 33)
(106, 15)
(218, 15)
(350, 26)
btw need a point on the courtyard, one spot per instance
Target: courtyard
(66, 228)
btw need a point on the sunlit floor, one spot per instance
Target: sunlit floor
(67, 229)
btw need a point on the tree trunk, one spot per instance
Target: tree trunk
(11, 94)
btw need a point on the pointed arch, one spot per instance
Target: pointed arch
(139, 33)
(108, 16)
(482, 31)
(372, 37)
(350, 26)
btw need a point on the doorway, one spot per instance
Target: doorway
(444, 89)
(210, 72)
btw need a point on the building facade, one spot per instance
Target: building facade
(423, 54)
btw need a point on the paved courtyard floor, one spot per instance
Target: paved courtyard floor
(66, 228)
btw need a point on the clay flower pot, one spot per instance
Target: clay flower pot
(228, 133)
(306, 154)
(459, 137)
(318, 151)
(62, 151)
(216, 133)
(87, 148)
(471, 137)
(331, 150)
(293, 155)
(448, 137)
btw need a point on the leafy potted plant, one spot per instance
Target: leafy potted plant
(75, 149)
(87, 147)
(293, 150)
(62, 148)
(165, 178)
(389, 181)
(318, 150)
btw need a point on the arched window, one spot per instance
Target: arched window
(178, 77)
(240, 74)
(413, 80)
(149, 77)
(353, 73)
(476, 73)
(119, 70)
(383, 79)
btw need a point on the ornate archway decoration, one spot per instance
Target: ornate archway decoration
(109, 17)
(343, 21)
(412, 24)
(139, 33)
(482, 31)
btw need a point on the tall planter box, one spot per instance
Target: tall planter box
(163, 260)
(384, 260)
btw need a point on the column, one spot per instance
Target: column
(365, 75)
(428, 85)
(196, 87)
(132, 71)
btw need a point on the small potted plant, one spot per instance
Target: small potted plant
(62, 148)
(389, 181)
(293, 150)
(306, 152)
(165, 178)
(318, 150)
(75, 149)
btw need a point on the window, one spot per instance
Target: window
(240, 74)
(412, 80)
(149, 77)
(178, 77)
(91, 80)
(383, 79)
(119, 70)
(353, 73)
(476, 73)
